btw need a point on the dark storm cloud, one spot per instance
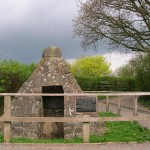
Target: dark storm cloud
(29, 26)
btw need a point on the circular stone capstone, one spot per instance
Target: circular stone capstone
(52, 52)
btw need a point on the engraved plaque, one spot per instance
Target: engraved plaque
(86, 104)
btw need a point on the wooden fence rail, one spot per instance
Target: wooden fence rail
(7, 119)
(78, 94)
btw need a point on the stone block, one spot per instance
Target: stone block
(26, 124)
(17, 131)
(34, 136)
(35, 125)
(18, 124)
(71, 78)
(70, 136)
(65, 80)
(79, 130)
(34, 132)
(51, 130)
(68, 124)
(69, 131)
(52, 52)
(66, 69)
(26, 132)
(67, 88)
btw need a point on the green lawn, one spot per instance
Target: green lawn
(124, 131)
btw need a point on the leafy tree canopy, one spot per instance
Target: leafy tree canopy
(95, 66)
(139, 68)
(123, 24)
(13, 74)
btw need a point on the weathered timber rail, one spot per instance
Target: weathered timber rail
(7, 119)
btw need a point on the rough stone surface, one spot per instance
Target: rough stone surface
(51, 130)
(52, 52)
(52, 70)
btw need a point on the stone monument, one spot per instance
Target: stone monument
(52, 75)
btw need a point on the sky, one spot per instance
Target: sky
(29, 26)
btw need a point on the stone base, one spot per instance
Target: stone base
(52, 130)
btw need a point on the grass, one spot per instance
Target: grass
(26, 140)
(107, 114)
(146, 103)
(102, 98)
(1, 138)
(124, 131)
(116, 132)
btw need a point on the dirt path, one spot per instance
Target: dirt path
(108, 146)
(125, 101)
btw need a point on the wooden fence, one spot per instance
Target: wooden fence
(7, 119)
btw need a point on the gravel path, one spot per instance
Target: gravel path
(108, 146)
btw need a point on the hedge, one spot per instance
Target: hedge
(106, 83)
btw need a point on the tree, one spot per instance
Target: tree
(95, 66)
(139, 68)
(13, 74)
(128, 70)
(120, 23)
(143, 72)
(125, 71)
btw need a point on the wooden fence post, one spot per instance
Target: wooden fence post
(135, 105)
(7, 124)
(86, 131)
(107, 103)
(118, 106)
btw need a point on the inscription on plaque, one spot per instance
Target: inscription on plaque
(86, 104)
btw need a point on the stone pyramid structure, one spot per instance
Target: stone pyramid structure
(52, 75)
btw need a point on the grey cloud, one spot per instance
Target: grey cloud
(38, 24)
